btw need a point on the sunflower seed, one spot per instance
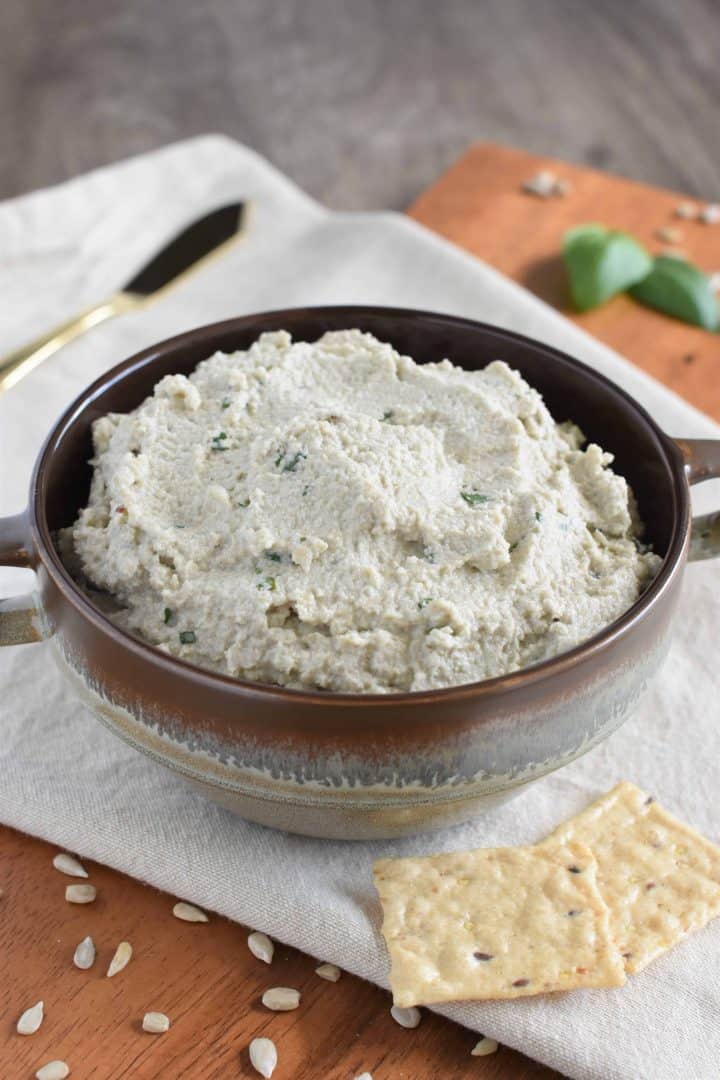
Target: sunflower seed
(263, 1056)
(261, 946)
(156, 1023)
(541, 184)
(364, 1076)
(31, 1020)
(710, 214)
(68, 864)
(54, 1070)
(669, 235)
(84, 956)
(329, 972)
(281, 999)
(189, 913)
(686, 210)
(121, 959)
(484, 1047)
(80, 894)
(407, 1018)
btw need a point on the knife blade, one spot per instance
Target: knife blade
(185, 253)
(186, 250)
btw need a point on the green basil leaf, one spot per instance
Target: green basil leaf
(678, 288)
(601, 263)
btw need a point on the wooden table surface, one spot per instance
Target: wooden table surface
(362, 104)
(203, 976)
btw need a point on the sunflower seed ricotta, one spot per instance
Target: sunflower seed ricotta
(333, 515)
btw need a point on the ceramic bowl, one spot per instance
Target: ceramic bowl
(360, 766)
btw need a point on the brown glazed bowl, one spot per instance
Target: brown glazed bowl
(352, 766)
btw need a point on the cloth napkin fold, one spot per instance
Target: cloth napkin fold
(65, 778)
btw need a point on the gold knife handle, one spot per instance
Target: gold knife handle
(20, 363)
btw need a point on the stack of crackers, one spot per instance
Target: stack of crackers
(601, 897)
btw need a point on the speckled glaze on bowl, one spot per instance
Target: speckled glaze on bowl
(351, 766)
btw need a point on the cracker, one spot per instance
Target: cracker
(659, 878)
(495, 923)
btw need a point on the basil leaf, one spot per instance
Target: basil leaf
(678, 288)
(601, 263)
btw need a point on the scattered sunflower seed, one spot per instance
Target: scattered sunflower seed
(407, 1018)
(545, 184)
(80, 894)
(261, 946)
(710, 214)
(156, 1023)
(281, 999)
(329, 972)
(31, 1020)
(54, 1070)
(669, 235)
(84, 956)
(121, 959)
(364, 1076)
(68, 864)
(541, 184)
(484, 1047)
(686, 210)
(189, 913)
(263, 1056)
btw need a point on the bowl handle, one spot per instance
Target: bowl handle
(702, 462)
(19, 616)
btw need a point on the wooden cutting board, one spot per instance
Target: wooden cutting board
(479, 205)
(203, 976)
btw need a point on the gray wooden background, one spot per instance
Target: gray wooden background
(363, 102)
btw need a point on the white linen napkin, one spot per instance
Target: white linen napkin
(65, 778)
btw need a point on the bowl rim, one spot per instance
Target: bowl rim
(46, 550)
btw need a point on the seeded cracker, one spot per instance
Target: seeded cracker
(660, 878)
(495, 923)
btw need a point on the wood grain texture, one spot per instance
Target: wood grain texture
(479, 204)
(363, 104)
(205, 979)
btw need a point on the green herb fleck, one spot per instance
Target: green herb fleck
(226, 403)
(167, 615)
(601, 263)
(514, 545)
(266, 585)
(677, 288)
(428, 555)
(187, 637)
(424, 602)
(474, 498)
(387, 415)
(244, 503)
(274, 556)
(289, 463)
(218, 441)
(305, 489)
(538, 515)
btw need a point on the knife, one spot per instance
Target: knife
(188, 251)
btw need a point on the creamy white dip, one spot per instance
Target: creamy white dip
(333, 515)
